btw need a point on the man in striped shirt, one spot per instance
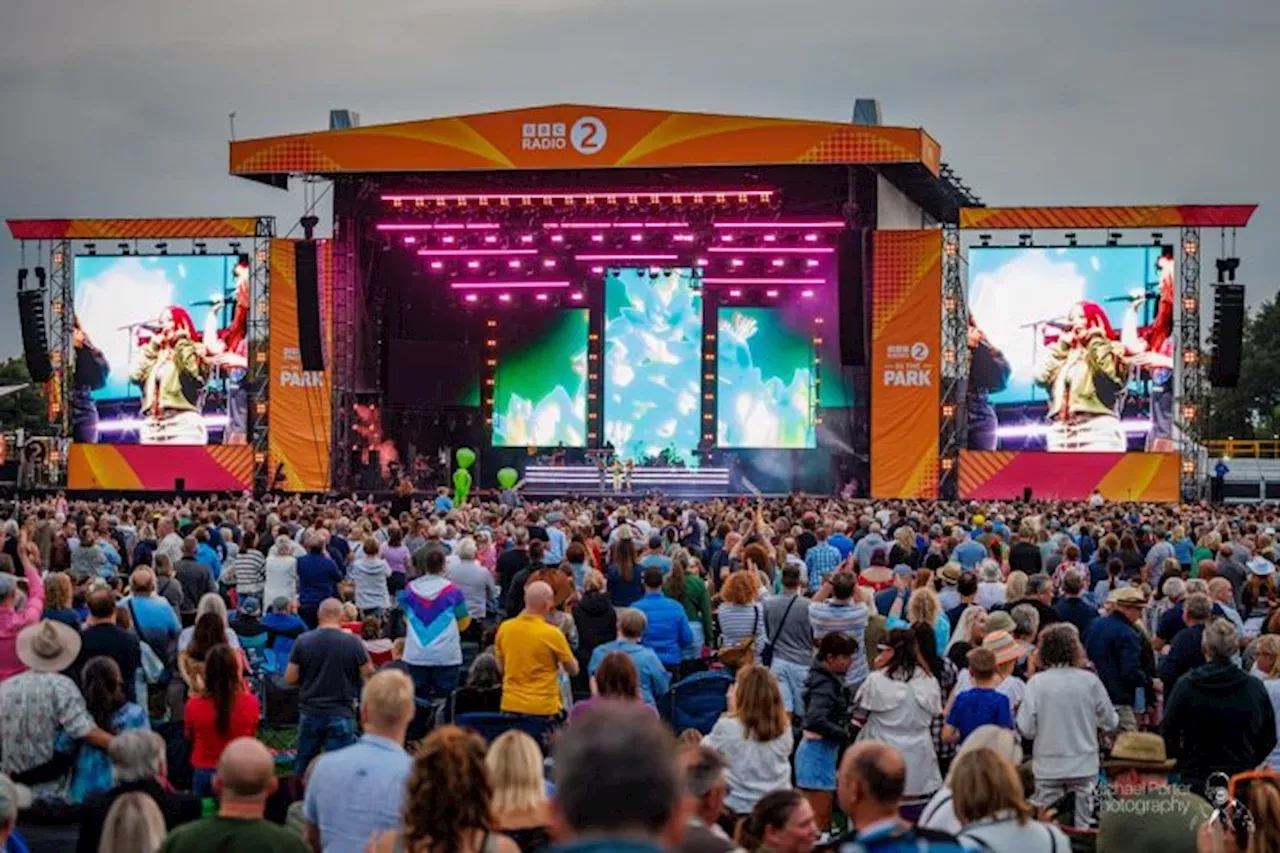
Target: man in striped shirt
(834, 608)
(248, 571)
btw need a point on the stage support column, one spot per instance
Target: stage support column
(1189, 379)
(955, 363)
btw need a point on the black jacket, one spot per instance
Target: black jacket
(1184, 655)
(1077, 611)
(597, 624)
(1219, 719)
(1025, 557)
(826, 704)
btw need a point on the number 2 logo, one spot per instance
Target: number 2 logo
(588, 135)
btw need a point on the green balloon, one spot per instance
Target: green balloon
(466, 457)
(461, 485)
(507, 477)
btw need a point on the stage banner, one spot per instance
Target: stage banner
(1005, 475)
(150, 467)
(299, 400)
(906, 329)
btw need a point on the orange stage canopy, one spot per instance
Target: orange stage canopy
(1137, 216)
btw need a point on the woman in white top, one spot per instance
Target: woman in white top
(282, 572)
(899, 700)
(991, 588)
(940, 812)
(992, 811)
(754, 737)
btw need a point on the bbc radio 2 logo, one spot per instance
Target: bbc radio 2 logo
(904, 366)
(587, 135)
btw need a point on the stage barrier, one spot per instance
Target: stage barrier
(299, 400)
(1004, 475)
(149, 467)
(906, 331)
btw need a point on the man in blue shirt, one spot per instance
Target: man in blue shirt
(443, 502)
(668, 631)
(840, 540)
(357, 791)
(654, 679)
(557, 541)
(318, 578)
(206, 554)
(821, 560)
(653, 555)
(871, 782)
(154, 621)
(969, 553)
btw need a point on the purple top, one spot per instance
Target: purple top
(397, 557)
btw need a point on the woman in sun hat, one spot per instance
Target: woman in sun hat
(1007, 651)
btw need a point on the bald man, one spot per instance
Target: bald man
(329, 665)
(872, 778)
(531, 651)
(245, 779)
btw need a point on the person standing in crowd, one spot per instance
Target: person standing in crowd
(619, 755)
(318, 579)
(872, 783)
(357, 791)
(623, 573)
(221, 712)
(1115, 649)
(1185, 652)
(1063, 709)
(1072, 607)
(992, 810)
(595, 619)
(476, 583)
(654, 679)
(740, 616)
(690, 591)
(706, 787)
(14, 620)
(754, 736)
(1266, 668)
(329, 666)
(820, 560)
(281, 571)
(248, 569)
(155, 622)
(196, 580)
(826, 721)
(369, 575)
(1142, 811)
(531, 652)
(1219, 719)
(835, 608)
(980, 705)
(939, 813)
(245, 779)
(782, 822)
(789, 641)
(667, 629)
(102, 637)
(520, 806)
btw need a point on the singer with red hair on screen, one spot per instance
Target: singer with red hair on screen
(1085, 372)
(1151, 348)
(172, 371)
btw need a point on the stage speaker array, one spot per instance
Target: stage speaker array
(35, 339)
(1228, 335)
(850, 263)
(310, 346)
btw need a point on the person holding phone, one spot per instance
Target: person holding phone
(1085, 372)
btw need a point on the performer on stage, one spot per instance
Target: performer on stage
(229, 349)
(172, 371)
(1151, 348)
(1085, 372)
(91, 371)
(988, 371)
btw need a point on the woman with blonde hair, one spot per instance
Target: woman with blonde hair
(58, 595)
(1015, 587)
(134, 824)
(924, 608)
(993, 813)
(970, 629)
(1266, 668)
(754, 737)
(519, 805)
(939, 813)
(448, 800)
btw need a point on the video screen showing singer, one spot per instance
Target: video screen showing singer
(172, 370)
(1072, 348)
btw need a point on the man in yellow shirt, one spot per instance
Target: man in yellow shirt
(531, 651)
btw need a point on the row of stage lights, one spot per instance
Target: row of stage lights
(1026, 240)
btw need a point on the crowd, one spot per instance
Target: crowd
(785, 675)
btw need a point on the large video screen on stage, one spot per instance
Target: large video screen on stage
(1071, 349)
(540, 382)
(160, 349)
(765, 380)
(652, 352)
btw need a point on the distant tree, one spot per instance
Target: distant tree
(1252, 408)
(27, 408)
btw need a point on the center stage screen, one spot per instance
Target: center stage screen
(540, 383)
(765, 386)
(653, 352)
(160, 349)
(1071, 349)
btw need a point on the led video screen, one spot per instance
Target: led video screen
(764, 380)
(540, 382)
(160, 349)
(652, 352)
(1071, 349)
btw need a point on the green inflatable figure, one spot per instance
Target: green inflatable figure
(507, 477)
(461, 485)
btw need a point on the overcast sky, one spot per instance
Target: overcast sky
(120, 108)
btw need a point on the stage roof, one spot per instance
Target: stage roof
(576, 136)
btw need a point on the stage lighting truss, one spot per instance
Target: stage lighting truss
(1189, 379)
(258, 381)
(955, 361)
(570, 199)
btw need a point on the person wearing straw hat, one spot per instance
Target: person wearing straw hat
(1115, 648)
(1138, 808)
(37, 705)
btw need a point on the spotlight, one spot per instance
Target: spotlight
(1190, 246)
(92, 248)
(807, 294)
(123, 247)
(201, 248)
(985, 238)
(735, 293)
(772, 294)
(1113, 239)
(1227, 269)
(1157, 238)
(1071, 239)
(40, 277)
(162, 248)
(22, 277)
(1024, 240)
(576, 297)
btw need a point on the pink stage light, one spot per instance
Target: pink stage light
(410, 240)
(811, 263)
(736, 262)
(626, 257)
(597, 238)
(557, 238)
(764, 281)
(807, 294)
(489, 238)
(472, 297)
(437, 226)
(597, 270)
(542, 297)
(576, 297)
(770, 238)
(636, 238)
(826, 223)
(778, 250)
(473, 265)
(437, 265)
(514, 264)
(526, 238)
(447, 240)
(772, 294)
(728, 238)
(506, 285)
(735, 292)
(548, 263)
(694, 196)
(701, 262)
(683, 238)
(777, 262)
(448, 253)
(450, 226)
(811, 238)
(504, 297)
(589, 225)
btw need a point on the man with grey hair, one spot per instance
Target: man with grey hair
(1184, 653)
(1072, 607)
(138, 764)
(476, 584)
(706, 787)
(1218, 719)
(1040, 597)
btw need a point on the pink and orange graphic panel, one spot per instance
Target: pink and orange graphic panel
(141, 467)
(1004, 475)
(1131, 216)
(131, 229)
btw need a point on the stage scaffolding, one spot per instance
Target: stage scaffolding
(955, 363)
(258, 377)
(1189, 377)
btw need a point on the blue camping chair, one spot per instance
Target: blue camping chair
(490, 726)
(696, 702)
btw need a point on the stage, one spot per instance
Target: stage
(553, 481)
